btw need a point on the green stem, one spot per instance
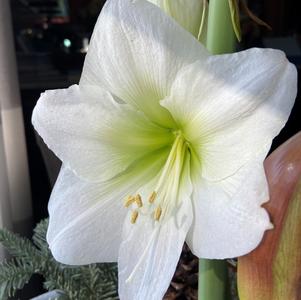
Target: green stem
(213, 277)
(220, 34)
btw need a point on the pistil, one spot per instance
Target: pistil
(167, 187)
(165, 193)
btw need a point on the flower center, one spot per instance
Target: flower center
(164, 197)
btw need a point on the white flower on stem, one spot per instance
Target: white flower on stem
(161, 143)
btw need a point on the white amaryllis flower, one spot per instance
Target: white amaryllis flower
(177, 134)
(190, 14)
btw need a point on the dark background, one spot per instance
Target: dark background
(51, 38)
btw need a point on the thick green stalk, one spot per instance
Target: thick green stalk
(220, 34)
(213, 279)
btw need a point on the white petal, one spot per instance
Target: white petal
(86, 219)
(135, 53)
(150, 250)
(83, 227)
(94, 135)
(228, 218)
(187, 13)
(235, 105)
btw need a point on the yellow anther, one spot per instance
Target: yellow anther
(152, 197)
(157, 213)
(134, 216)
(138, 200)
(129, 200)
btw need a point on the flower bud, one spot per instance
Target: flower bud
(190, 14)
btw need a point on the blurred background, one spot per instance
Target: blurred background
(46, 50)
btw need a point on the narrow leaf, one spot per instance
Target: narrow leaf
(234, 10)
(202, 36)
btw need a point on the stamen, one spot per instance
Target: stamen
(138, 200)
(152, 197)
(129, 201)
(166, 191)
(134, 216)
(157, 213)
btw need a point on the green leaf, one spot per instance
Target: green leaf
(39, 237)
(18, 246)
(202, 36)
(234, 10)
(95, 281)
(13, 276)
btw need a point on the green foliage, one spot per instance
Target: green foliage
(95, 281)
(13, 276)
(17, 246)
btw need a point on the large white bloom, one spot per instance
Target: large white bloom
(190, 14)
(183, 133)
